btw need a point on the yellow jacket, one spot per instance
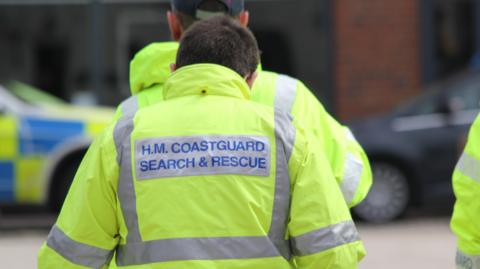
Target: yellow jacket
(466, 216)
(150, 69)
(222, 182)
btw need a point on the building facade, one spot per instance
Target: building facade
(359, 57)
(387, 51)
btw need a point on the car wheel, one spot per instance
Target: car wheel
(63, 184)
(388, 197)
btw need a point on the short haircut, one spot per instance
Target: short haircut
(208, 5)
(220, 40)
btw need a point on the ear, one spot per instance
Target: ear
(244, 18)
(250, 79)
(173, 67)
(174, 24)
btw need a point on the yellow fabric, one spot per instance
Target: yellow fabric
(466, 216)
(307, 111)
(346, 257)
(90, 215)
(210, 205)
(8, 137)
(228, 114)
(154, 70)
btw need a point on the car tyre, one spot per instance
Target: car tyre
(63, 184)
(389, 196)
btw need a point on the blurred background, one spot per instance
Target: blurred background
(404, 75)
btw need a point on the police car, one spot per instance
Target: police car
(42, 141)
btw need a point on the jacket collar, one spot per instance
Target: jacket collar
(205, 79)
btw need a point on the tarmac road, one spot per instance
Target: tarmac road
(414, 243)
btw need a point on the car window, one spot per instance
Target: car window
(465, 96)
(424, 104)
(457, 93)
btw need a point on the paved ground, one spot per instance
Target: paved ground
(19, 249)
(420, 243)
(415, 243)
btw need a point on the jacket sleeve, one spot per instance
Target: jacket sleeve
(321, 230)
(466, 216)
(85, 233)
(347, 158)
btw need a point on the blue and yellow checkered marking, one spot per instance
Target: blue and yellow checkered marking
(7, 174)
(25, 145)
(41, 136)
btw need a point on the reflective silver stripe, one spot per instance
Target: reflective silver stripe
(350, 135)
(469, 166)
(76, 252)
(284, 99)
(325, 238)
(126, 189)
(179, 249)
(284, 140)
(352, 173)
(465, 261)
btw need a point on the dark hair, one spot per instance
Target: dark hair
(220, 40)
(208, 5)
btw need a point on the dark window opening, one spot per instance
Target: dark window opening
(276, 54)
(454, 36)
(51, 63)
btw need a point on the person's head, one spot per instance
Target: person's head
(185, 12)
(220, 40)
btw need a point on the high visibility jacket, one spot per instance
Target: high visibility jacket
(151, 67)
(222, 182)
(466, 216)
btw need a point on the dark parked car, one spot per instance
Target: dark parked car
(414, 149)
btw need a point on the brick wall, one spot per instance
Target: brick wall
(377, 55)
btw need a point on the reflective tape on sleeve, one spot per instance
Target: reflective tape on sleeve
(465, 261)
(352, 173)
(76, 252)
(469, 166)
(325, 238)
(350, 135)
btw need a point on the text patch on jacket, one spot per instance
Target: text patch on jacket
(202, 155)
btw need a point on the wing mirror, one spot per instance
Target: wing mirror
(448, 106)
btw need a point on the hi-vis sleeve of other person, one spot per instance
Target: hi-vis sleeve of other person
(466, 216)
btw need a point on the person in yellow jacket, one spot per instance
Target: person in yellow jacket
(150, 68)
(466, 215)
(221, 182)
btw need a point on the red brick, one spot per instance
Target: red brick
(377, 54)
